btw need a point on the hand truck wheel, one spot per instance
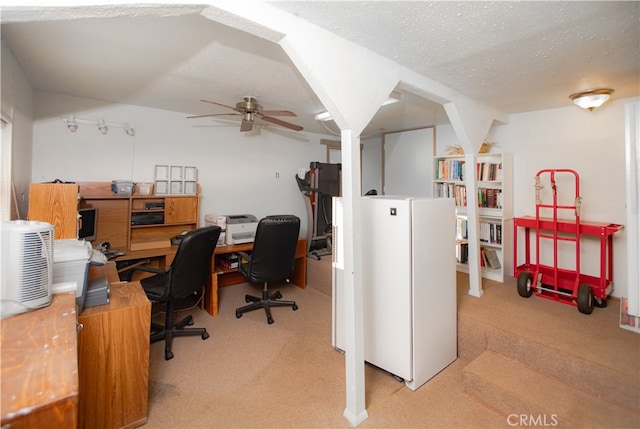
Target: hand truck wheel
(585, 299)
(525, 282)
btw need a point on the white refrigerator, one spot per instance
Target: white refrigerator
(409, 285)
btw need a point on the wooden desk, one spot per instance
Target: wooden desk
(163, 257)
(220, 278)
(40, 366)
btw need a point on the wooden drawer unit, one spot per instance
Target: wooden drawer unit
(113, 360)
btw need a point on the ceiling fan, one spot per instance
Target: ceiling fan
(249, 109)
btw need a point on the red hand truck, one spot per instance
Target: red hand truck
(553, 282)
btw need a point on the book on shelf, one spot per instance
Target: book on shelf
(449, 169)
(451, 190)
(461, 228)
(490, 198)
(490, 232)
(462, 252)
(489, 171)
(492, 260)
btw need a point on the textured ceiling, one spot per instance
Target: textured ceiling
(513, 56)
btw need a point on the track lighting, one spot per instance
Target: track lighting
(129, 130)
(73, 122)
(102, 127)
(589, 100)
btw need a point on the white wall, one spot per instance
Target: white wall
(372, 164)
(592, 143)
(17, 106)
(407, 164)
(237, 173)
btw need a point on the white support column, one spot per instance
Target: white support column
(355, 410)
(475, 276)
(632, 137)
(471, 123)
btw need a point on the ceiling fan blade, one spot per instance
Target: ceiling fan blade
(246, 125)
(214, 114)
(218, 104)
(278, 113)
(281, 123)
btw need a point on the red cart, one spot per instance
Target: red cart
(552, 281)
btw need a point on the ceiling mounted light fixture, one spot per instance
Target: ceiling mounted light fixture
(129, 130)
(589, 100)
(323, 116)
(102, 126)
(73, 122)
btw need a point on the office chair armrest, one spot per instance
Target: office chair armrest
(143, 268)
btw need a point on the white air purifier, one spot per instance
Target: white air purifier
(27, 266)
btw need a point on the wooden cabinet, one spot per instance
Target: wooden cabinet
(490, 179)
(113, 360)
(119, 217)
(57, 204)
(40, 366)
(174, 215)
(181, 210)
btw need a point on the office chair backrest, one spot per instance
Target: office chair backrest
(274, 248)
(192, 263)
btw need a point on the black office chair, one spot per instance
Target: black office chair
(272, 259)
(185, 277)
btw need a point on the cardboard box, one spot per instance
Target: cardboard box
(150, 244)
(143, 188)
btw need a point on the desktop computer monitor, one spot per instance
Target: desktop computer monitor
(88, 224)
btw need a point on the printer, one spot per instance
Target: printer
(236, 229)
(241, 228)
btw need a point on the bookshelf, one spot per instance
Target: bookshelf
(493, 178)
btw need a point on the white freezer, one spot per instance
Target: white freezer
(409, 286)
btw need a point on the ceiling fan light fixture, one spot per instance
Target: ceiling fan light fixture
(249, 109)
(589, 100)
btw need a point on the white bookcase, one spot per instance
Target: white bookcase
(491, 177)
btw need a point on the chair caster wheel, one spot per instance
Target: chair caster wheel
(294, 307)
(269, 320)
(190, 322)
(246, 299)
(205, 336)
(168, 355)
(238, 314)
(279, 296)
